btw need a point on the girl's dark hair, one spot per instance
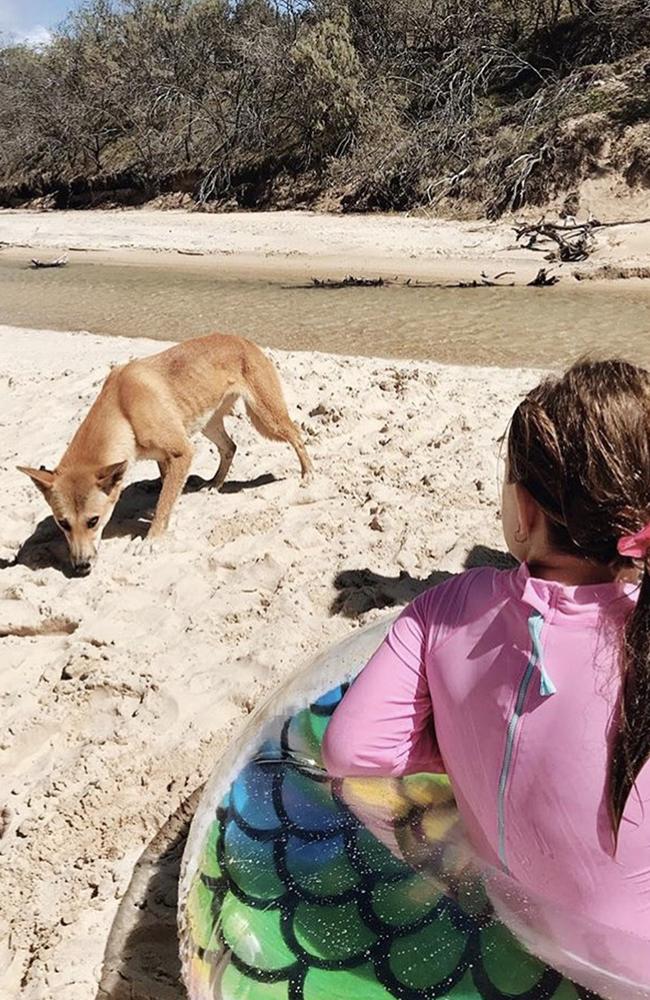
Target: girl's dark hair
(580, 445)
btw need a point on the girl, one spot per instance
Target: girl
(531, 688)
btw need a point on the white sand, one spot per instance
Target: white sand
(302, 242)
(120, 691)
(287, 232)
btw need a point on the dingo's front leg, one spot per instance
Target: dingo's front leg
(177, 467)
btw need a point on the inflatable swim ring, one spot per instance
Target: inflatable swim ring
(296, 887)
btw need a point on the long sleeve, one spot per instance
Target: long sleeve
(384, 725)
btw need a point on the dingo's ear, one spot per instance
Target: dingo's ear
(110, 476)
(42, 478)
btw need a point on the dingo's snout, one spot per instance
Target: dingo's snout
(82, 567)
(82, 557)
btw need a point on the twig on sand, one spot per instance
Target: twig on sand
(543, 279)
(192, 253)
(58, 262)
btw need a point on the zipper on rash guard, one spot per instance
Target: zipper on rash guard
(546, 687)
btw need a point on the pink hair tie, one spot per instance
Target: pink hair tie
(635, 546)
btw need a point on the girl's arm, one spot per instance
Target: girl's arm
(384, 725)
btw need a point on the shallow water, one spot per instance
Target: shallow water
(494, 326)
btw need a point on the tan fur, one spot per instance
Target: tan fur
(146, 410)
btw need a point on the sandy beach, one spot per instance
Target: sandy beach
(301, 244)
(120, 691)
(415, 211)
(148, 145)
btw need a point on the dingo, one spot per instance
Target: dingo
(146, 409)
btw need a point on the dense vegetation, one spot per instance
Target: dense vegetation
(358, 104)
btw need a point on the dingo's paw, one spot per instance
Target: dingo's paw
(142, 547)
(308, 478)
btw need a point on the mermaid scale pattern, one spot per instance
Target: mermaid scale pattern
(311, 889)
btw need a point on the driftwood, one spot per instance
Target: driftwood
(541, 280)
(58, 262)
(349, 282)
(574, 241)
(485, 282)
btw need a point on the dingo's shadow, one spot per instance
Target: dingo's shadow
(360, 590)
(195, 484)
(141, 958)
(46, 547)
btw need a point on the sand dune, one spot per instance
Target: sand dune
(120, 691)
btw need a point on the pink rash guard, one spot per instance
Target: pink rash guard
(509, 684)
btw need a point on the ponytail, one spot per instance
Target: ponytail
(631, 747)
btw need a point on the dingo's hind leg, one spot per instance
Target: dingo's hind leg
(215, 431)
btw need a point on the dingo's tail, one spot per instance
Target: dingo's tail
(265, 405)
